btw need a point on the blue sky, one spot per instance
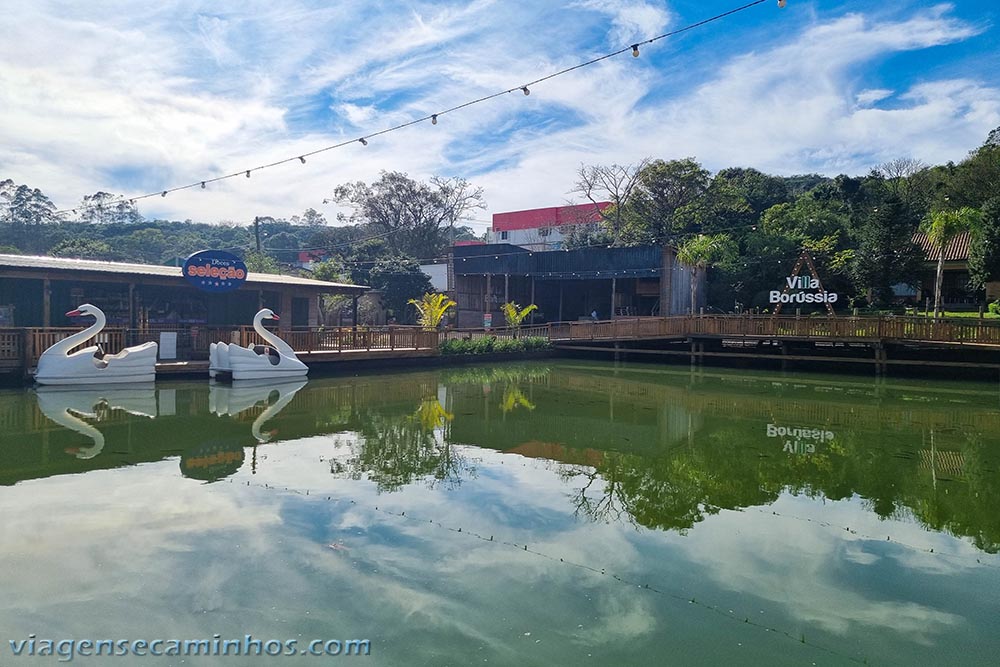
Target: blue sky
(108, 95)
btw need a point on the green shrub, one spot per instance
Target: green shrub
(491, 344)
(994, 307)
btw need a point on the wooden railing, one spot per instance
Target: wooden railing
(11, 346)
(984, 332)
(24, 345)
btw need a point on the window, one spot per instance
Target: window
(544, 231)
(503, 236)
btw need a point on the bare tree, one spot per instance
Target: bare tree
(614, 183)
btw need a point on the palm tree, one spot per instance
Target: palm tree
(431, 308)
(514, 314)
(699, 252)
(941, 227)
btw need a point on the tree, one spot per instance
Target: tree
(699, 252)
(886, 254)
(514, 314)
(431, 308)
(27, 210)
(664, 191)
(400, 279)
(260, 262)
(330, 270)
(84, 249)
(414, 217)
(310, 218)
(106, 208)
(941, 227)
(984, 251)
(600, 184)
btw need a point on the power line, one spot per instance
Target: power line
(363, 140)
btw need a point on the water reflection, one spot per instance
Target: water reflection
(722, 518)
(649, 447)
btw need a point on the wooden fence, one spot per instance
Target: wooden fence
(22, 346)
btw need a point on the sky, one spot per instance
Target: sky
(134, 98)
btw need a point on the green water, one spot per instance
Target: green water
(566, 513)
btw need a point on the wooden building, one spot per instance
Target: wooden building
(567, 284)
(37, 291)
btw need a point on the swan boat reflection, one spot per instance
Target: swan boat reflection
(72, 408)
(231, 400)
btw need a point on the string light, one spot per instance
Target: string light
(634, 48)
(302, 159)
(203, 185)
(781, 4)
(434, 119)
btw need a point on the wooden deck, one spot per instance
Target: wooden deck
(846, 340)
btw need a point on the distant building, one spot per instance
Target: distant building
(567, 284)
(542, 228)
(955, 289)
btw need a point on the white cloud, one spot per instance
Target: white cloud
(193, 90)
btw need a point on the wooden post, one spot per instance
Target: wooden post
(532, 315)
(506, 288)
(614, 282)
(560, 300)
(47, 303)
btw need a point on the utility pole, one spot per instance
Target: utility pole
(256, 231)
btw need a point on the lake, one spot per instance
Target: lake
(556, 513)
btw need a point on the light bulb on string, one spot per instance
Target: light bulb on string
(525, 90)
(203, 185)
(434, 119)
(635, 50)
(781, 4)
(248, 173)
(302, 159)
(364, 142)
(164, 193)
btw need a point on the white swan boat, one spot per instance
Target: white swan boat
(276, 359)
(89, 366)
(71, 408)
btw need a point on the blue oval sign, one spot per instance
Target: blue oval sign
(215, 271)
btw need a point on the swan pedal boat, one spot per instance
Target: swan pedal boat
(276, 359)
(57, 366)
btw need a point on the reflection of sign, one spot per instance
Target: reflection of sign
(215, 271)
(487, 320)
(799, 440)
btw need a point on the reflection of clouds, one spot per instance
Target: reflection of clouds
(817, 574)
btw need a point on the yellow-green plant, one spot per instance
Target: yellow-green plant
(431, 308)
(514, 314)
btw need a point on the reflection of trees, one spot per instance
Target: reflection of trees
(513, 397)
(722, 469)
(396, 449)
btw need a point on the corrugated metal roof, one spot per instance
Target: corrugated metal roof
(957, 249)
(93, 265)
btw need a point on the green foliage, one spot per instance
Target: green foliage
(414, 216)
(994, 307)
(431, 308)
(492, 344)
(84, 249)
(886, 254)
(514, 314)
(984, 251)
(260, 262)
(400, 279)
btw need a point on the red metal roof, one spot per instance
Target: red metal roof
(957, 249)
(547, 217)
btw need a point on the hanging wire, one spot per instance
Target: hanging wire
(524, 88)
